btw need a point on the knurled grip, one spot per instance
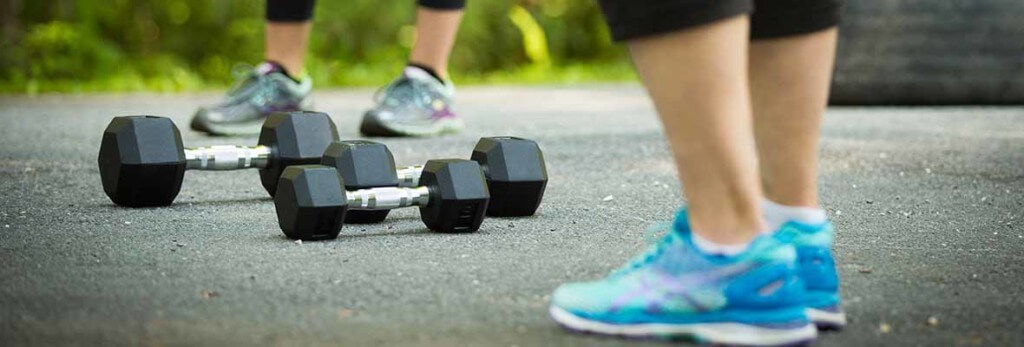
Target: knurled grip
(409, 176)
(227, 157)
(386, 198)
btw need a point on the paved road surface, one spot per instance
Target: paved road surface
(928, 204)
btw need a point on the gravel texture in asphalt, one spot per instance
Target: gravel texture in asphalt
(928, 203)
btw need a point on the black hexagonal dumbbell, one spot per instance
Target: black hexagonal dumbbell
(362, 164)
(312, 201)
(514, 168)
(143, 161)
(516, 174)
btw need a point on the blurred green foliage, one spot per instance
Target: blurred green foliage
(174, 45)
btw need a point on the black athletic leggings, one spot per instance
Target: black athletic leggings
(629, 19)
(302, 10)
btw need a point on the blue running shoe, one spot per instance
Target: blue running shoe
(817, 270)
(260, 91)
(415, 104)
(673, 290)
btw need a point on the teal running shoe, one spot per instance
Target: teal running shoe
(673, 290)
(415, 104)
(817, 269)
(260, 91)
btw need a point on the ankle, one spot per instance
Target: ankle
(726, 226)
(438, 74)
(776, 214)
(714, 248)
(285, 70)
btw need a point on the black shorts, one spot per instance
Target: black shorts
(302, 10)
(630, 19)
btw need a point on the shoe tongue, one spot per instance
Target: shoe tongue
(266, 68)
(417, 74)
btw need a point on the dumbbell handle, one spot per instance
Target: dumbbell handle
(386, 198)
(227, 157)
(409, 176)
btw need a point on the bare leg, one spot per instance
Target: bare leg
(789, 83)
(698, 81)
(286, 44)
(435, 36)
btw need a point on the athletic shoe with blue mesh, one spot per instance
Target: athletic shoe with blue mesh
(258, 92)
(817, 269)
(673, 290)
(415, 104)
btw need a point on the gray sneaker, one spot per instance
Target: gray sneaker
(415, 104)
(259, 91)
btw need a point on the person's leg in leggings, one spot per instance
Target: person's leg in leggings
(791, 61)
(242, 112)
(790, 70)
(704, 106)
(789, 81)
(437, 23)
(287, 33)
(692, 57)
(425, 110)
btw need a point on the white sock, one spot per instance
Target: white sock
(712, 248)
(775, 215)
(419, 73)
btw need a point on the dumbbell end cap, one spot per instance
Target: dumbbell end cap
(516, 174)
(310, 202)
(296, 138)
(141, 161)
(458, 195)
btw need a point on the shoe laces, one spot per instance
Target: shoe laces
(402, 89)
(251, 85)
(658, 237)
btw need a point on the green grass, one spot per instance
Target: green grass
(177, 79)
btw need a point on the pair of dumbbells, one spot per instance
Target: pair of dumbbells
(142, 163)
(142, 160)
(358, 183)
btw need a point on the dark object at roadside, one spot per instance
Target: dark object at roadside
(930, 52)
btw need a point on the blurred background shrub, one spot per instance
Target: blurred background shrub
(175, 45)
(890, 51)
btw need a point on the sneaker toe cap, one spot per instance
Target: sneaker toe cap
(374, 123)
(200, 118)
(583, 297)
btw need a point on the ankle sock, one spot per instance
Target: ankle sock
(428, 70)
(713, 248)
(269, 66)
(775, 214)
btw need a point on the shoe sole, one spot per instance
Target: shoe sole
(716, 333)
(826, 320)
(441, 127)
(234, 129)
(243, 128)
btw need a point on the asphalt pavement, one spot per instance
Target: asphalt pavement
(928, 203)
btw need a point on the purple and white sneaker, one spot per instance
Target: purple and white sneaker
(260, 91)
(415, 104)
